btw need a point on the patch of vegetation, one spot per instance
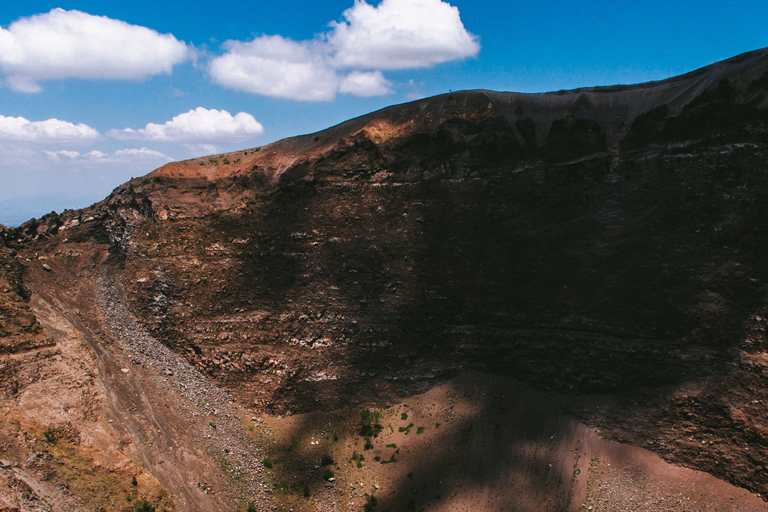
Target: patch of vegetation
(327, 474)
(251, 507)
(370, 503)
(391, 445)
(368, 443)
(50, 436)
(306, 490)
(437, 425)
(404, 416)
(370, 423)
(269, 462)
(212, 425)
(143, 506)
(134, 482)
(410, 475)
(391, 459)
(326, 460)
(420, 430)
(407, 429)
(225, 161)
(357, 459)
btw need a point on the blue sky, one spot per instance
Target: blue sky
(97, 92)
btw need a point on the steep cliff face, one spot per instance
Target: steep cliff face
(604, 241)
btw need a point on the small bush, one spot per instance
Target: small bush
(212, 425)
(134, 482)
(404, 416)
(327, 474)
(370, 423)
(407, 429)
(326, 460)
(420, 430)
(370, 503)
(437, 425)
(269, 462)
(143, 506)
(410, 475)
(225, 161)
(251, 507)
(392, 445)
(50, 436)
(368, 443)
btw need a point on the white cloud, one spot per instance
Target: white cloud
(121, 155)
(197, 125)
(63, 44)
(278, 67)
(140, 152)
(366, 84)
(54, 155)
(50, 130)
(400, 34)
(396, 34)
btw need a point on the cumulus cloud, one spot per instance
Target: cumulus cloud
(278, 67)
(197, 125)
(400, 34)
(50, 130)
(396, 34)
(64, 44)
(366, 84)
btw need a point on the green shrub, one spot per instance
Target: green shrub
(327, 474)
(269, 462)
(407, 429)
(368, 443)
(420, 430)
(404, 416)
(326, 460)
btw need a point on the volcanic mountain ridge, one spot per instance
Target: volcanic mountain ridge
(602, 246)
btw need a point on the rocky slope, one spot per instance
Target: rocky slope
(604, 243)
